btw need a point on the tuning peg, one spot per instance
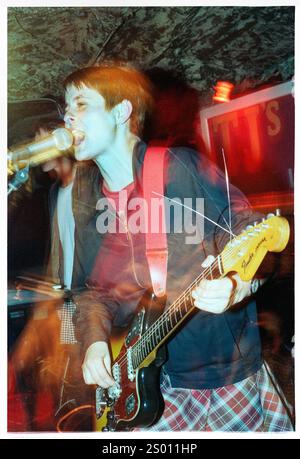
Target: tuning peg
(264, 225)
(270, 215)
(278, 212)
(255, 223)
(249, 227)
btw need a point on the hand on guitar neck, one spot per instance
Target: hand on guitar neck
(217, 295)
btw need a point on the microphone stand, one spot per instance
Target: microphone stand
(21, 176)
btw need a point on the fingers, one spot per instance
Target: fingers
(213, 288)
(216, 307)
(41, 133)
(208, 261)
(96, 373)
(96, 367)
(213, 295)
(87, 376)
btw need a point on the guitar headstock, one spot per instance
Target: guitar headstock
(245, 252)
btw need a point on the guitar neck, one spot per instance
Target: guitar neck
(174, 315)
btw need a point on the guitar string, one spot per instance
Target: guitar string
(178, 302)
(177, 306)
(137, 347)
(166, 316)
(206, 271)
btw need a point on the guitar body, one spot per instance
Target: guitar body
(141, 403)
(136, 400)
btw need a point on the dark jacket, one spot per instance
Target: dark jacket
(210, 350)
(85, 194)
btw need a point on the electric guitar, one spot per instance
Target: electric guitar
(135, 399)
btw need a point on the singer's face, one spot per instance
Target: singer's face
(86, 114)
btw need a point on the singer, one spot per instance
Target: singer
(213, 376)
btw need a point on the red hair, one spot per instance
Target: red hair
(116, 83)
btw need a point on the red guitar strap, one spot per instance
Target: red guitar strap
(156, 238)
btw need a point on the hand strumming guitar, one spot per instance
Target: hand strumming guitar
(97, 365)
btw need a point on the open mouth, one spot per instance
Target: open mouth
(78, 137)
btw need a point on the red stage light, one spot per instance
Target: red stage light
(223, 91)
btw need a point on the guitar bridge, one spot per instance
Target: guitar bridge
(101, 401)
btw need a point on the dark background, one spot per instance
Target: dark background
(185, 51)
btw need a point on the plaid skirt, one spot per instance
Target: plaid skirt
(255, 404)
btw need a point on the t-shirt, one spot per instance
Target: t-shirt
(66, 227)
(115, 196)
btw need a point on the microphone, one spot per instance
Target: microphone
(60, 139)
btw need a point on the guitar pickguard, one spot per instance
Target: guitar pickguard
(136, 328)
